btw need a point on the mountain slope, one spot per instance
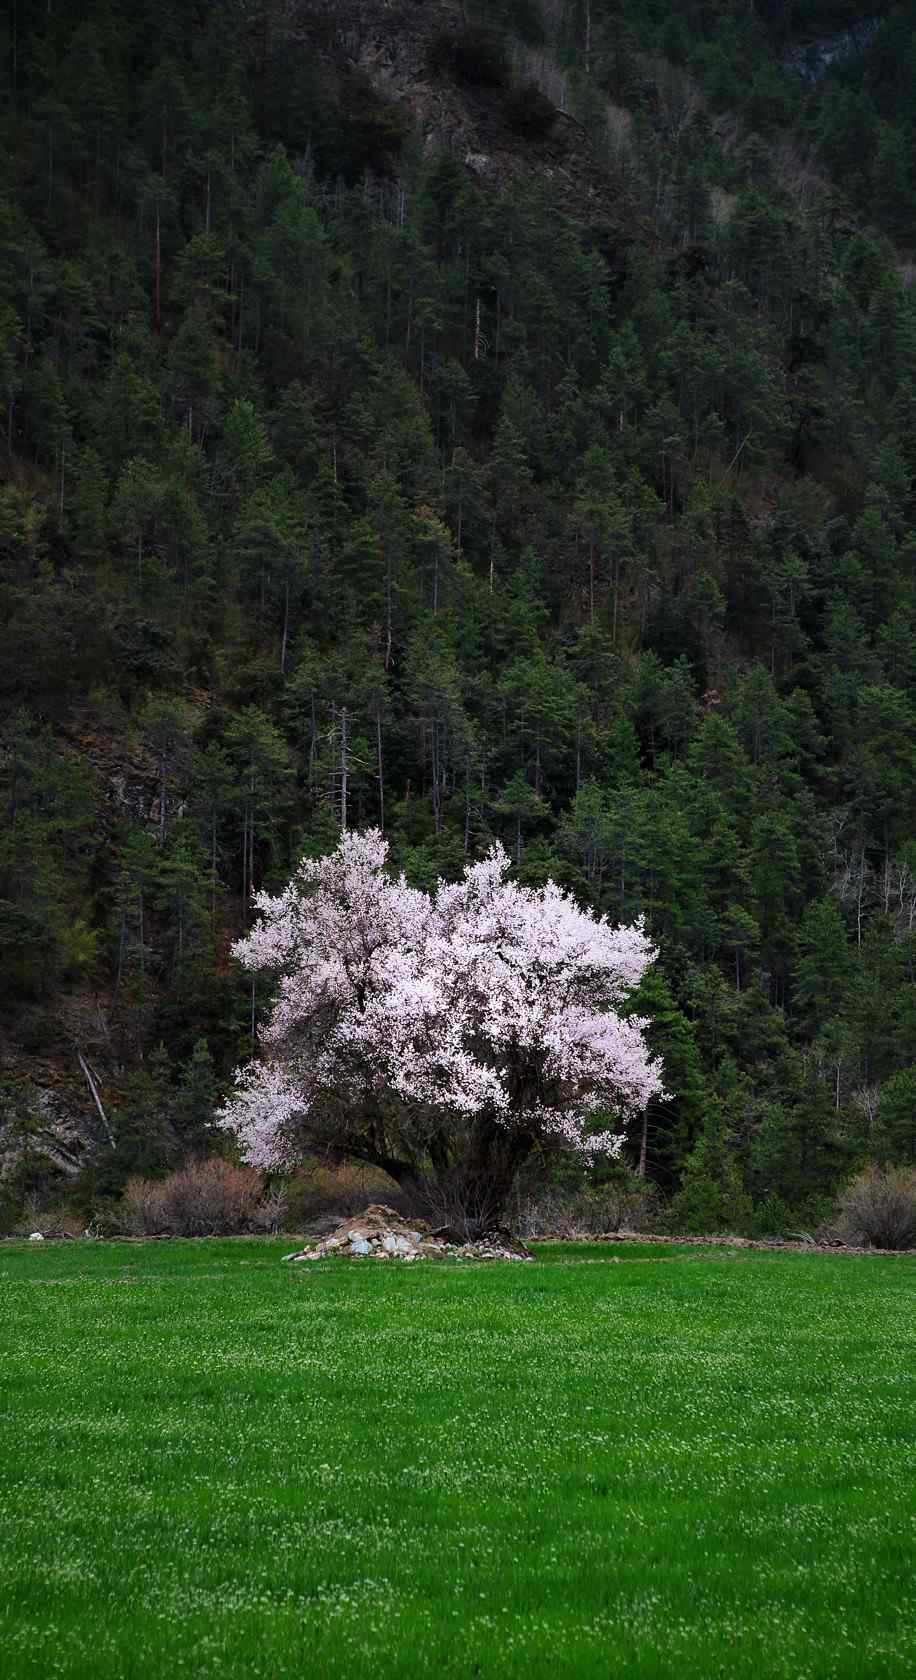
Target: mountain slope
(374, 424)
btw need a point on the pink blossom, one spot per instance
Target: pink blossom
(402, 1015)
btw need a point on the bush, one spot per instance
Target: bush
(270, 1214)
(317, 1196)
(773, 1217)
(625, 1204)
(529, 112)
(49, 1222)
(878, 1209)
(711, 1200)
(105, 1217)
(472, 54)
(203, 1199)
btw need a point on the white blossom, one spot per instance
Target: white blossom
(398, 1008)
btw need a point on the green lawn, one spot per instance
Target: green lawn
(690, 1463)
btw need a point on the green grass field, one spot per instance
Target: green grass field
(690, 1463)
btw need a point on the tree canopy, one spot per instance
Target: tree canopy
(446, 1034)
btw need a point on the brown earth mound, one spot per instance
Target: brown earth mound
(381, 1234)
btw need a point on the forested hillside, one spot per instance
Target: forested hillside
(496, 426)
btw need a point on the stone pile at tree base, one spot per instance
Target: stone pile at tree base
(381, 1234)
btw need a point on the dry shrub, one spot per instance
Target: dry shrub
(451, 1202)
(624, 1205)
(878, 1209)
(270, 1213)
(203, 1199)
(320, 1194)
(49, 1222)
(142, 1208)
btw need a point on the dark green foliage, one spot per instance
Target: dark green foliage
(663, 1135)
(711, 1197)
(341, 479)
(896, 1139)
(472, 52)
(195, 1099)
(529, 112)
(46, 841)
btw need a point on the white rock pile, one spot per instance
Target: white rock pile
(381, 1234)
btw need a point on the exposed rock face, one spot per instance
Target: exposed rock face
(46, 1128)
(392, 46)
(381, 1234)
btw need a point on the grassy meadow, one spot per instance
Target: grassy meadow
(627, 1461)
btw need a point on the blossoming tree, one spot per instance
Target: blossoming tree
(440, 1036)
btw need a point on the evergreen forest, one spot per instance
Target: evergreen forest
(481, 424)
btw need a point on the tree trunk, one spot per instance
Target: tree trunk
(163, 801)
(643, 1145)
(469, 1192)
(478, 1187)
(94, 1091)
(381, 772)
(344, 770)
(213, 871)
(157, 272)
